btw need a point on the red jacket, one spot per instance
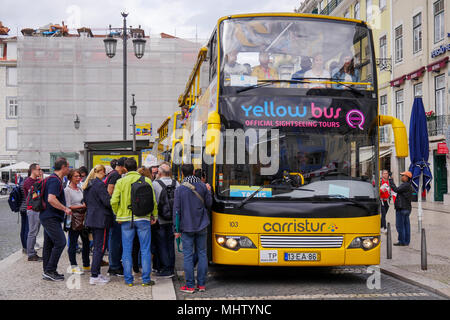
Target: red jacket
(385, 191)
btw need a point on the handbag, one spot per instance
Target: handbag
(78, 216)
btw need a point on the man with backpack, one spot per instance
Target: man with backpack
(33, 216)
(193, 200)
(165, 195)
(134, 204)
(17, 204)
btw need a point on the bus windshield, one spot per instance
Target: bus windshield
(296, 53)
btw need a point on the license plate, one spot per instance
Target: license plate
(301, 256)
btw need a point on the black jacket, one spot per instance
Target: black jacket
(99, 212)
(404, 195)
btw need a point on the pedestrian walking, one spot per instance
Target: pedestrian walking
(24, 225)
(74, 200)
(165, 188)
(32, 216)
(99, 218)
(403, 208)
(192, 201)
(51, 219)
(126, 207)
(385, 197)
(115, 233)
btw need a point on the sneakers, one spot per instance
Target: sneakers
(148, 284)
(76, 270)
(186, 289)
(164, 274)
(201, 288)
(35, 258)
(52, 276)
(100, 280)
(114, 272)
(87, 269)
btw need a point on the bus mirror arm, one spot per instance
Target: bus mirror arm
(213, 134)
(400, 134)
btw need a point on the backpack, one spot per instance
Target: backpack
(15, 198)
(141, 198)
(35, 199)
(166, 200)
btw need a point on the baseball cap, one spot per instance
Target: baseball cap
(407, 173)
(121, 161)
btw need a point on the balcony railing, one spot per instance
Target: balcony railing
(438, 125)
(330, 7)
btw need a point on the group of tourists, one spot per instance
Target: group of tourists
(135, 213)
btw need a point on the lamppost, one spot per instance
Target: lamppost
(133, 109)
(110, 48)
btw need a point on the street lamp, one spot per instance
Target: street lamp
(110, 49)
(133, 109)
(76, 122)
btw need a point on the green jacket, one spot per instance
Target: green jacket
(121, 198)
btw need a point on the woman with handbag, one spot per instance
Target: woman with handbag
(74, 200)
(99, 218)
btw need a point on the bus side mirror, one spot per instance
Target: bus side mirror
(212, 134)
(400, 134)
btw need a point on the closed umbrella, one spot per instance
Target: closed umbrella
(419, 152)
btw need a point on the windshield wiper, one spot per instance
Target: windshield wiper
(270, 186)
(342, 198)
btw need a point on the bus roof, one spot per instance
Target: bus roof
(288, 14)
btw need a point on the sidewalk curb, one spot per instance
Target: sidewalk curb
(434, 286)
(164, 289)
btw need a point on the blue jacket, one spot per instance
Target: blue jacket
(99, 213)
(193, 214)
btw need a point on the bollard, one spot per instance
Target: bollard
(389, 242)
(423, 251)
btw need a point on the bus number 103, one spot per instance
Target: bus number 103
(234, 224)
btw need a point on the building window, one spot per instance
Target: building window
(368, 10)
(2, 47)
(438, 21)
(418, 90)
(11, 107)
(11, 76)
(399, 104)
(383, 47)
(11, 139)
(399, 44)
(347, 14)
(357, 13)
(321, 6)
(383, 111)
(417, 33)
(440, 95)
(382, 4)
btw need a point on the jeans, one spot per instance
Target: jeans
(195, 241)
(143, 229)
(24, 229)
(115, 247)
(384, 211)
(54, 243)
(166, 247)
(72, 250)
(154, 248)
(33, 230)
(403, 226)
(100, 238)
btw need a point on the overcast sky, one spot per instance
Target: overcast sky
(169, 16)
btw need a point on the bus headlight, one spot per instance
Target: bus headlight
(234, 242)
(366, 243)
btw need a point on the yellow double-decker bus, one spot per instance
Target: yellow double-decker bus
(281, 113)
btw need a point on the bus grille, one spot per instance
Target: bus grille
(301, 241)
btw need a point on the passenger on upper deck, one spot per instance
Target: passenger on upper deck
(306, 66)
(264, 71)
(317, 72)
(231, 65)
(347, 71)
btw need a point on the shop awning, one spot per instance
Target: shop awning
(438, 65)
(416, 74)
(399, 81)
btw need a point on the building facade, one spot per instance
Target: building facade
(412, 48)
(8, 100)
(62, 78)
